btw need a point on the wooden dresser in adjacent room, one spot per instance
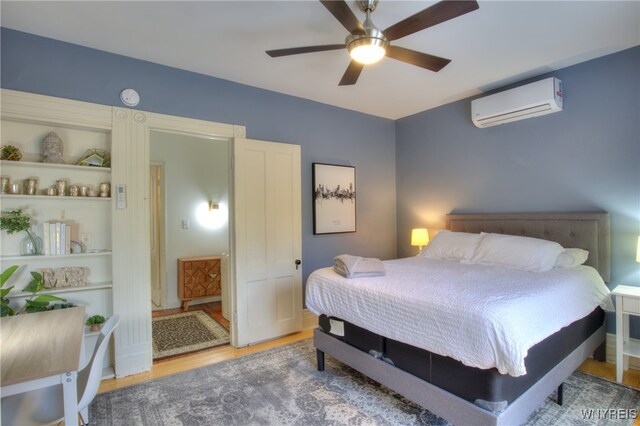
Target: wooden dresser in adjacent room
(198, 277)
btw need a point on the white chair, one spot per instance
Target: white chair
(45, 406)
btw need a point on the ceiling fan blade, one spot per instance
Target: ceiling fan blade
(343, 13)
(351, 74)
(424, 60)
(306, 49)
(433, 15)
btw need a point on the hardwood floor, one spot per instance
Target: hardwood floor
(608, 371)
(223, 353)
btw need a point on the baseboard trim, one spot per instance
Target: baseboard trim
(133, 359)
(309, 319)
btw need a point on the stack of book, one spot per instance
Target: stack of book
(57, 237)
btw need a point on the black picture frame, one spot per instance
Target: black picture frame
(334, 198)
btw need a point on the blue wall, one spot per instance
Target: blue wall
(326, 134)
(586, 157)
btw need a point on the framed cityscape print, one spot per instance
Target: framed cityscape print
(334, 199)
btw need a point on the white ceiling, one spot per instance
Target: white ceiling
(501, 42)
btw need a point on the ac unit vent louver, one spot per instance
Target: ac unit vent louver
(531, 100)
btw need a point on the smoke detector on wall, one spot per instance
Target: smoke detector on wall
(130, 97)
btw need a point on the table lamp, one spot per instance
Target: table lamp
(420, 238)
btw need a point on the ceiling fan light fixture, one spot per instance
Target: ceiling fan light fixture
(367, 49)
(367, 44)
(365, 52)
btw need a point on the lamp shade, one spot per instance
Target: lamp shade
(419, 237)
(638, 251)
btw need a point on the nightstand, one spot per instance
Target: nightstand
(627, 303)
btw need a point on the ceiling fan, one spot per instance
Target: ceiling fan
(367, 44)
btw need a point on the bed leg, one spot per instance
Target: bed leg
(320, 359)
(560, 395)
(600, 354)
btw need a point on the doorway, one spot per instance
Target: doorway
(189, 225)
(132, 132)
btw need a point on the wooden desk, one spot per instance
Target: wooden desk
(43, 349)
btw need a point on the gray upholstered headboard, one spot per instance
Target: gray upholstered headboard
(588, 231)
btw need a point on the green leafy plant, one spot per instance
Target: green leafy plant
(5, 309)
(95, 320)
(17, 220)
(38, 303)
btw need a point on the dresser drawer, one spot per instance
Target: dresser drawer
(198, 277)
(631, 305)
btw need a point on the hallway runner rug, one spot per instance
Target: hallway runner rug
(281, 386)
(186, 332)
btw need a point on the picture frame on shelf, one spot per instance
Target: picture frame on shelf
(334, 198)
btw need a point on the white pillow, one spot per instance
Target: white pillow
(514, 252)
(447, 245)
(571, 257)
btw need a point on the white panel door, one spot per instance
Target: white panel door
(267, 240)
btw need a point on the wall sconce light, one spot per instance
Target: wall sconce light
(419, 238)
(212, 214)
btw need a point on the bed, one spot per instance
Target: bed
(468, 392)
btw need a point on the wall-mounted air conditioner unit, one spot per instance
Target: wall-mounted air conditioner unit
(531, 100)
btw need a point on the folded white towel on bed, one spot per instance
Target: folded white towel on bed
(355, 266)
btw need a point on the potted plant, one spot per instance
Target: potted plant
(38, 303)
(33, 304)
(17, 220)
(95, 322)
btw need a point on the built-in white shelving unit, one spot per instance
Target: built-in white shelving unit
(26, 120)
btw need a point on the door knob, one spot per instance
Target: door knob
(297, 262)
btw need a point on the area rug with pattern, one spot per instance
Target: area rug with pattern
(281, 386)
(186, 332)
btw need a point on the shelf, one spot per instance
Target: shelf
(52, 197)
(55, 256)
(631, 348)
(7, 163)
(88, 287)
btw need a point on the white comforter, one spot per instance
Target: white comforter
(483, 316)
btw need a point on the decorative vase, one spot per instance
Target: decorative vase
(31, 245)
